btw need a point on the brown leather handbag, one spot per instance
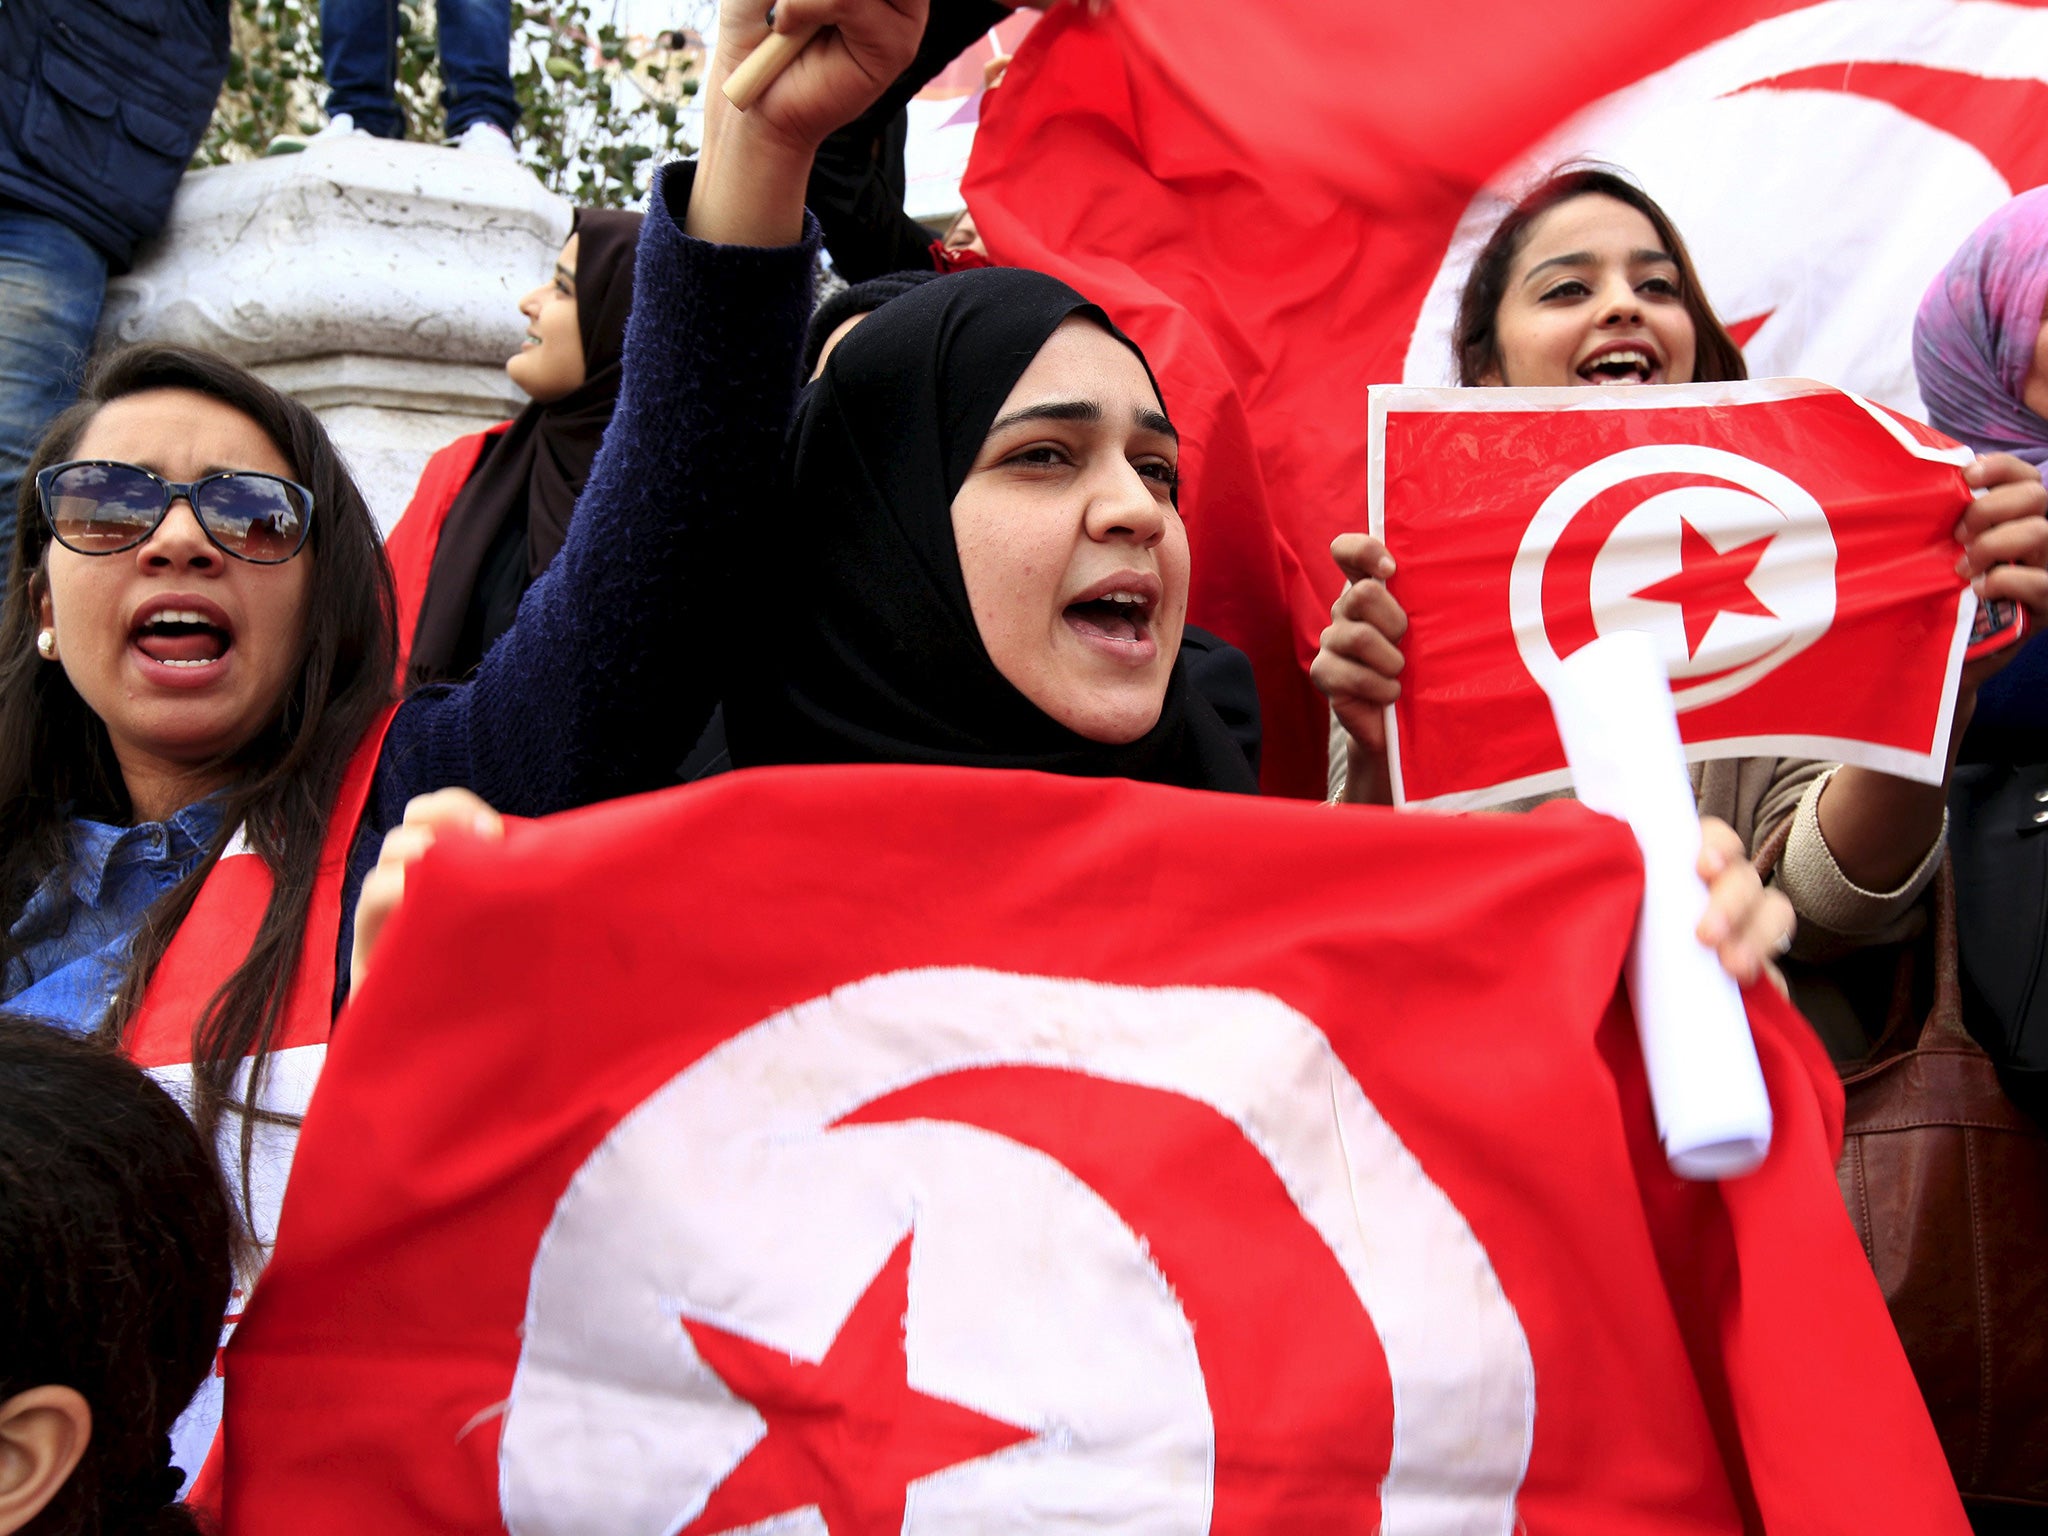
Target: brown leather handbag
(1947, 1183)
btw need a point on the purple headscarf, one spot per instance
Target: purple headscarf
(1973, 340)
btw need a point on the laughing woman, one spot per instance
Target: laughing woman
(197, 651)
(1586, 282)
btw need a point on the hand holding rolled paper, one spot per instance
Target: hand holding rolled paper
(821, 63)
(1620, 732)
(780, 94)
(743, 87)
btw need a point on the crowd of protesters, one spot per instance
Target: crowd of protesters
(205, 646)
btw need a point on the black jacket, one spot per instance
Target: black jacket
(101, 104)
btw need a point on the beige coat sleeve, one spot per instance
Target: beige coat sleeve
(1754, 795)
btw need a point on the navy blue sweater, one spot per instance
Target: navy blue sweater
(600, 688)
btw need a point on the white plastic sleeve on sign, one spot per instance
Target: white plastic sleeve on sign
(1614, 711)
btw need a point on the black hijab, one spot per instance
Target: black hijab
(874, 655)
(511, 517)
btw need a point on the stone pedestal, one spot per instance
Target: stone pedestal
(377, 281)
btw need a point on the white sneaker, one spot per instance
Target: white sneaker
(484, 138)
(340, 126)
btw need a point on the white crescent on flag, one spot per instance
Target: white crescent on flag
(894, 1166)
(1763, 529)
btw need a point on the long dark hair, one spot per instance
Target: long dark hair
(1475, 339)
(56, 761)
(116, 1232)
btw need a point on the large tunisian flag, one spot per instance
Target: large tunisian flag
(1279, 200)
(769, 1151)
(1789, 548)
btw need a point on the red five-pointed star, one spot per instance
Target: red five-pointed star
(1709, 583)
(848, 1434)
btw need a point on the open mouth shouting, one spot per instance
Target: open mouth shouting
(1622, 362)
(181, 639)
(1114, 616)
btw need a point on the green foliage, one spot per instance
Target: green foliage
(596, 115)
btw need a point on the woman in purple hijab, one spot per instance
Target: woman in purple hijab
(1980, 349)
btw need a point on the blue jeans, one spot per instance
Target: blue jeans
(359, 49)
(51, 283)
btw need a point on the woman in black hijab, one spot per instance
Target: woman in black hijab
(512, 514)
(963, 548)
(1066, 659)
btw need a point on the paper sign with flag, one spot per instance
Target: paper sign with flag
(1789, 547)
(756, 1157)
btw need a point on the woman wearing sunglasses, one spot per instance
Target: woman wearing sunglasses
(198, 640)
(197, 654)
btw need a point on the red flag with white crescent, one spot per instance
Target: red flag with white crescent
(1280, 202)
(1789, 548)
(753, 1157)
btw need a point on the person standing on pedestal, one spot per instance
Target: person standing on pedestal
(359, 50)
(101, 104)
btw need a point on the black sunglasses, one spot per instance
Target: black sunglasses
(102, 506)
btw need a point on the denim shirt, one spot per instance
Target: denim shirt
(74, 933)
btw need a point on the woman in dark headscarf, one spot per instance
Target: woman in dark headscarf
(865, 402)
(960, 545)
(493, 509)
(992, 569)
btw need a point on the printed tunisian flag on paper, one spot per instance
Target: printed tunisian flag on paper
(1788, 546)
(745, 1154)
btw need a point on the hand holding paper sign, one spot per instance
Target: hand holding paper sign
(1359, 662)
(2005, 549)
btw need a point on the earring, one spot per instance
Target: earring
(46, 644)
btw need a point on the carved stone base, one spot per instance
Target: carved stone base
(377, 281)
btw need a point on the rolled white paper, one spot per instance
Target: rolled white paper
(1613, 709)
